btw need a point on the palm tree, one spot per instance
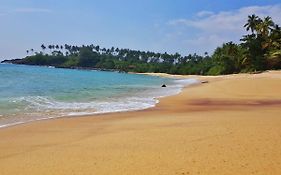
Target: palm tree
(50, 47)
(206, 54)
(265, 26)
(97, 48)
(274, 52)
(252, 23)
(43, 47)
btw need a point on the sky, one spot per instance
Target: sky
(183, 26)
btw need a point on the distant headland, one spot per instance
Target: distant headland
(258, 51)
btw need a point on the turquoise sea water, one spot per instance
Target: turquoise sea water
(29, 93)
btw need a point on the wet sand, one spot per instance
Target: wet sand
(230, 125)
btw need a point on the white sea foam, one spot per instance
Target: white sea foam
(11, 124)
(51, 108)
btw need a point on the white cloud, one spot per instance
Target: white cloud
(229, 20)
(212, 29)
(204, 13)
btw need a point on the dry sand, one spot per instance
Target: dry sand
(231, 125)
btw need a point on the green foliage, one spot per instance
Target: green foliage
(227, 59)
(216, 70)
(259, 50)
(87, 58)
(71, 62)
(262, 46)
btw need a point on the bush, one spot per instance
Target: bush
(216, 70)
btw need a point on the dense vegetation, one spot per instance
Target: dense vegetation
(260, 50)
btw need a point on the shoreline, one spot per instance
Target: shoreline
(94, 114)
(228, 126)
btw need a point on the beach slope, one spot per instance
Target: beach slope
(230, 125)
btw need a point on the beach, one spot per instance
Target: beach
(230, 125)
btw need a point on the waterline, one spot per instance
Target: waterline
(32, 93)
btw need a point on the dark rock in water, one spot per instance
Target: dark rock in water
(163, 85)
(204, 81)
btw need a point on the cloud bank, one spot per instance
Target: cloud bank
(211, 29)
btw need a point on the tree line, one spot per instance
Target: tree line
(258, 51)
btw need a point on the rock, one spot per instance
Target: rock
(204, 81)
(163, 85)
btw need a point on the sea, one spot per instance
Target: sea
(31, 93)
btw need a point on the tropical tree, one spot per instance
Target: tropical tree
(227, 59)
(264, 26)
(259, 50)
(252, 23)
(274, 51)
(262, 47)
(43, 47)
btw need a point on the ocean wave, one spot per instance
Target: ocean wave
(43, 107)
(186, 82)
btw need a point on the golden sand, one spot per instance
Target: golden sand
(231, 125)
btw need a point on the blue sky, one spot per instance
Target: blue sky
(184, 26)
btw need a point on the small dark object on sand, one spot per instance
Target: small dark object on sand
(163, 85)
(204, 81)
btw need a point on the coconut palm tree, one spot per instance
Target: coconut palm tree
(265, 26)
(274, 50)
(43, 47)
(50, 47)
(252, 23)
